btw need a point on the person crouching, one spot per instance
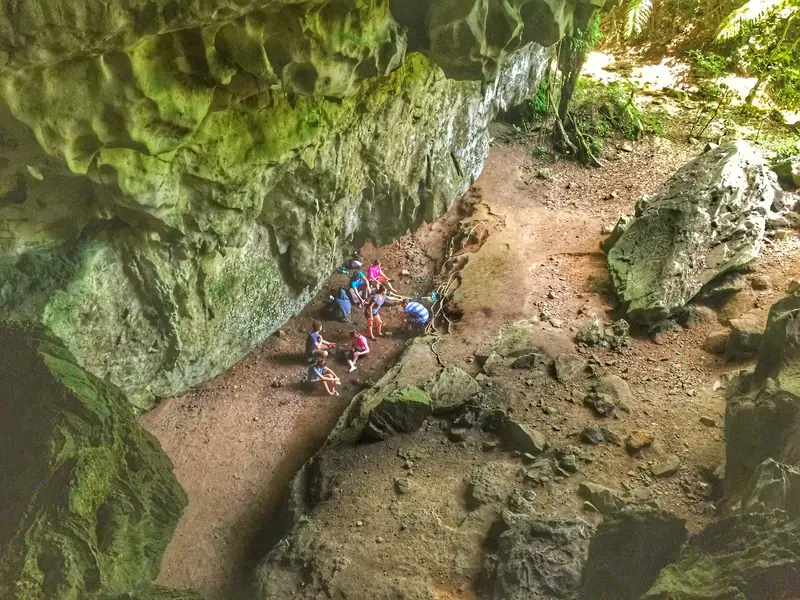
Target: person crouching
(360, 347)
(320, 373)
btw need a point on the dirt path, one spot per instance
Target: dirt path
(237, 441)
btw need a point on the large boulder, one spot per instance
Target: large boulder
(748, 556)
(535, 558)
(628, 551)
(708, 220)
(452, 389)
(773, 486)
(402, 411)
(89, 498)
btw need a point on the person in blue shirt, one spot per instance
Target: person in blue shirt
(316, 345)
(414, 314)
(339, 307)
(359, 280)
(320, 373)
(373, 311)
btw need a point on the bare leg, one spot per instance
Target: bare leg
(327, 385)
(379, 326)
(369, 328)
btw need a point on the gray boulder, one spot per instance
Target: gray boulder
(535, 558)
(569, 366)
(403, 411)
(709, 219)
(627, 553)
(788, 171)
(450, 389)
(745, 337)
(773, 486)
(490, 482)
(523, 438)
(604, 499)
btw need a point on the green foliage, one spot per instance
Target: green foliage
(584, 41)
(708, 65)
(752, 11)
(604, 111)
(636, 17)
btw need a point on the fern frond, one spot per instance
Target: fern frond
(636, 18)
(753, 10)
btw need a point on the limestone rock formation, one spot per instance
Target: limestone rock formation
(628, 551)
(89, 498)
(773, 486)
(177, 180)
(535, 558)
(762, 417)
(709, 219)
(748, 556)
(402, 411)
(452, 388)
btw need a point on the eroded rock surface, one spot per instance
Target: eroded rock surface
(89, 498)
(178, 180)
(710, 219)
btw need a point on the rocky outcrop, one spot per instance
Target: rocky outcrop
(90, 500)
(748, 556)
(178, 180)
(773, 486)
(709, 219)
(628, 551)
(402, 411)
(535, 558)
(762, 417)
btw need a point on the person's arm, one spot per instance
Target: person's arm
(333, 375)
(366, 346)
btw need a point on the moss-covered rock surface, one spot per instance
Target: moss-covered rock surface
(178, 179)
(89, 498)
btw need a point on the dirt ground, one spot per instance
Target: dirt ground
(237, 441)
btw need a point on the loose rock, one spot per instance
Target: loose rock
(638, 440)
(667, 467)
(569, 366)
(604, 499)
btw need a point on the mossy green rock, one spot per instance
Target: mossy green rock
(166, 209)
(403, 411)
(90, 501)
(708, 220)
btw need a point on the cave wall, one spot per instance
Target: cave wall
(177, 180)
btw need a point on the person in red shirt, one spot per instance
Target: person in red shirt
(360, 348)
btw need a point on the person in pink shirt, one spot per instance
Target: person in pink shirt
(360, 348)
(375, 273)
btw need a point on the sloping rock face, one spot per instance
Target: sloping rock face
(709, 219)
(89, 498)
(178, 179)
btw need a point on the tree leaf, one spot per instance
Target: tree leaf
(752, 11)
(637, 16)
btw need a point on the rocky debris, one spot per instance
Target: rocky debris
(788, 170)
(638, 440)
(793, 287)
(745, 338)
(90, 501)
(708, 421)
(528, 337)
(493, 364)
(596, 334)
(154, 592)
(621, 227)
(773, 486)
(760, 282)
(762, 415)
(696, 316)
(450, 389)
(779, 355)
(531, 557)
(721, 290)
(488, 483)
(531, 361)
(401, 486)
(627, 553)
(403, 411)
(521, 502)
(569, 366)
(747, 556)
(566, 460)
(708, 220)
(604, 499)
(717, 342)
(457, 434)
(599, 435)
(667, 467)
(609, 394)
(523, 438)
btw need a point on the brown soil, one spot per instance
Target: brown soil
(237, 441)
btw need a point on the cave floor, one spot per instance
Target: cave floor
(237, 441)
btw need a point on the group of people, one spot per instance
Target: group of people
(370, 292)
